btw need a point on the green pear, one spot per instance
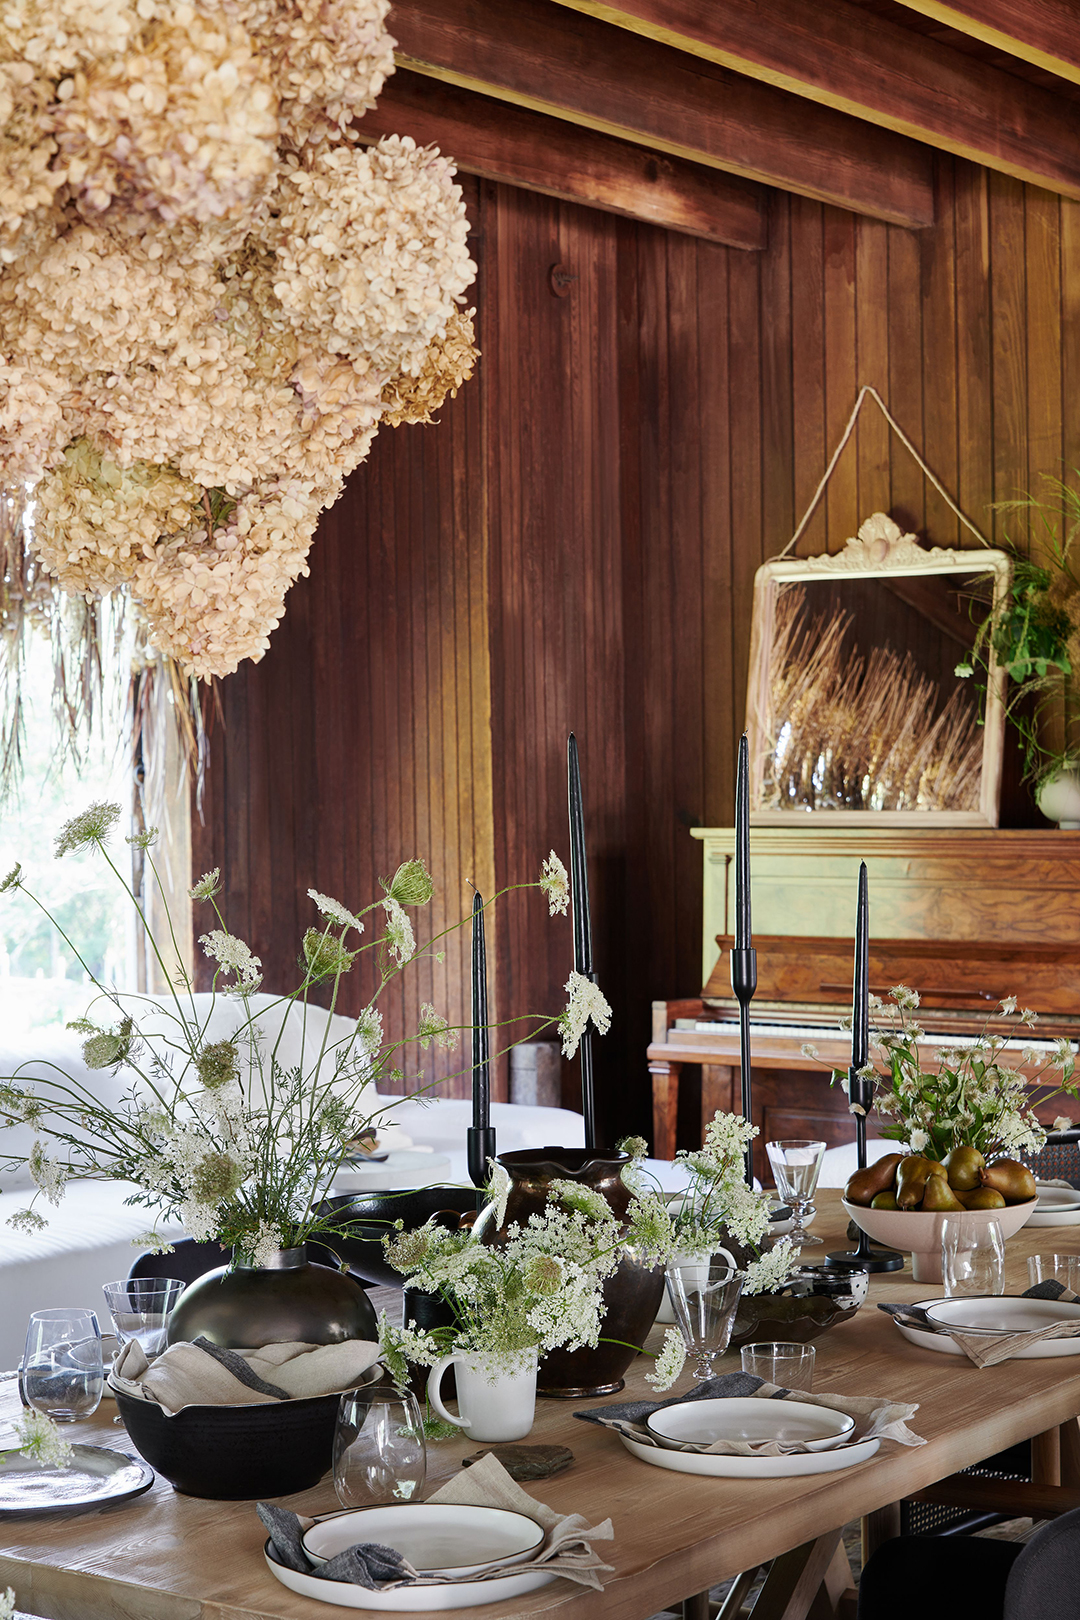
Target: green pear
(1013, 1180)
(862, 1185)
(981, 1198)
(885, 1199)
(911, 1175)
(962, 1166)
(938, 1195)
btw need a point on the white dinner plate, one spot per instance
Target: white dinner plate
(1052, 1212)
(991, 1314)
(410, 1599)
(751, 1419)
(945, 1346)
(795, 1463)
(401, 1169)
(437, 1538)
(1054, 1197)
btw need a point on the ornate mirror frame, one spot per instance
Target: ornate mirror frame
(879, 551)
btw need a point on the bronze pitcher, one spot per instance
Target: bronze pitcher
(632, 1294)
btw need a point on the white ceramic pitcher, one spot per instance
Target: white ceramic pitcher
(495, 1401)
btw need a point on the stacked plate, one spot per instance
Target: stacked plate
(820, 1432)
(991, 1315)
(1055, 1206)
(443, 1543)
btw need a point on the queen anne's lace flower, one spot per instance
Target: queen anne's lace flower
(556, 885)
(670, 1361)
(586, 1001)
(234, 957)
(91, 826)
(40, 1438)
(399, 932)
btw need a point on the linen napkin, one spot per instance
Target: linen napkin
(565, 1550)
(875, 1416)
(203, 1374)
(989, 1350)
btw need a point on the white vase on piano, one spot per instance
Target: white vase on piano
(1058, 797)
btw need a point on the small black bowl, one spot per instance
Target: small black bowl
(237, 1453)
(371, 1216)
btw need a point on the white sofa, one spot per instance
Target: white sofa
(88, 1240)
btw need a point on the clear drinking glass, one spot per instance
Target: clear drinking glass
(61, 1372)
(796, 1165)
(789, 1366)
(140, 1308)
(972, 1255)
(380, 1454)
(1052, 1268)
(704, 1294)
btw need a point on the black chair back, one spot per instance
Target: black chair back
(1059, 1159)
(1044, 1582)
(190, 1260)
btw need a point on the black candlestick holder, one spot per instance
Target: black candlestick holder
(744, 984)
(863, 1257)
(480, 1145)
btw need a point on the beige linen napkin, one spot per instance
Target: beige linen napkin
(201, 1374)
(987, 1351)
(876, 1418)
(565, 1550)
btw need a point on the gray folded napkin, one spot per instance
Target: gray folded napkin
(565, 1550)
(875, 1417)
(203, 1374)
(989, 1350)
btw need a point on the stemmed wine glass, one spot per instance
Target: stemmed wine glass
(704, 1294)
(796, 1165)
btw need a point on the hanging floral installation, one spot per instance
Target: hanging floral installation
(212, 293)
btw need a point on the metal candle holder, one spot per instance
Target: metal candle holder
(860, 1090)
(583, 957)
(480, 1137)
(744, 956)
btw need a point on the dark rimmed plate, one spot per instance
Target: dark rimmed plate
(96, 1478)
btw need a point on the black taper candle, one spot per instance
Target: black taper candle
(579, 896)
(480, 1137)
(860, 1091)
(744, 956)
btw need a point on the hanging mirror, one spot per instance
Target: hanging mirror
(854, 707)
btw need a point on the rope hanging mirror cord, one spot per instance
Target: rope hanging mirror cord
(864, 391)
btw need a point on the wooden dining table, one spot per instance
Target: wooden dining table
(163, 1556)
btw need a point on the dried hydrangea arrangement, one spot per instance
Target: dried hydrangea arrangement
(211, 294)
(212, 1127)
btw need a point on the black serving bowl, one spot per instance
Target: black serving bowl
(237, 1453)
(371, 1216)
(815, 1299)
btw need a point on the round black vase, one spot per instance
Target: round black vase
(242, 1307)
(631, 1295)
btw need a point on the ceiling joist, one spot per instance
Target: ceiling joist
(500, 142)
(582, 71)
(1045, 33)
(843, 57)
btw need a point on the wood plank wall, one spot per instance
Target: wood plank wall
(573, 546)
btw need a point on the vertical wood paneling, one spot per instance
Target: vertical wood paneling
(573, 546)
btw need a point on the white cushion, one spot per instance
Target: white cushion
(837, 1164)
(88, 1242)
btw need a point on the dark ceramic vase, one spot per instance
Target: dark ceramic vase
(244, 1306)
(631, 1295)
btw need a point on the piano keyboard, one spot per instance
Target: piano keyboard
(823, 1032)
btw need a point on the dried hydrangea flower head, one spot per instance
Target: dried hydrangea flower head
(210, 294)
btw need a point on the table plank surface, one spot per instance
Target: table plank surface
(170, 1557)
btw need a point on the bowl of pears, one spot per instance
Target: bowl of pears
(901, 1200)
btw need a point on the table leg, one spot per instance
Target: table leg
(1070, 1453)
(792, 1583)
(696, 1607)
(665, 1094)
(1046, 1458)
(878, 1527)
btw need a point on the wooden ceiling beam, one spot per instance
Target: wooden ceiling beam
(582, 71)
(841, 56)
(1043, 32)
(501, 142)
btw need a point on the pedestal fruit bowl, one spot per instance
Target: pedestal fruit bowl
(919, 1231)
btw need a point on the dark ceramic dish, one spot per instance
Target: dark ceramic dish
(372, 1215)
(815, 1299)
(237, 1453)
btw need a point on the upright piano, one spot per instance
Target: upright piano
(805, 988)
